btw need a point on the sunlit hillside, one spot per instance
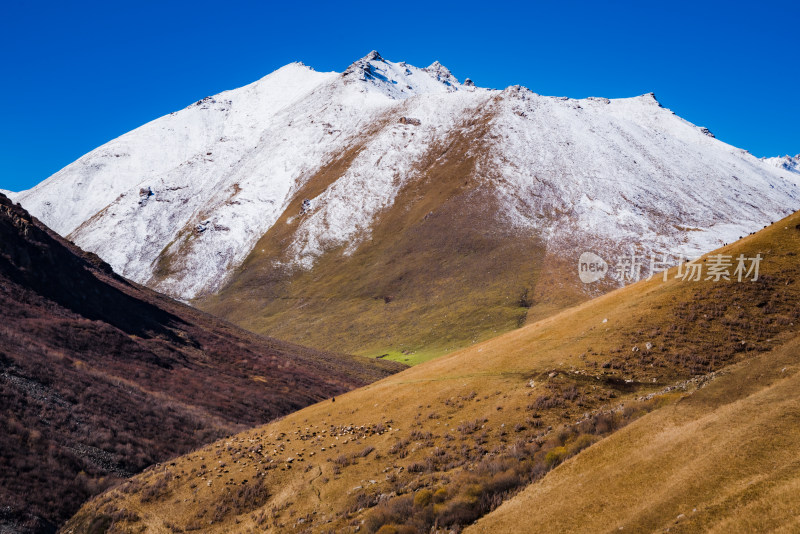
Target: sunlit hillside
(448, 441)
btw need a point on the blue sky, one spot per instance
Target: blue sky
(75, 75)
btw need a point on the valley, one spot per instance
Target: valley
(503, 422)
(100, 377)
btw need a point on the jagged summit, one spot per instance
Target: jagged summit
(441, 73)
(373, 56)
(363, 63)
(399, 80)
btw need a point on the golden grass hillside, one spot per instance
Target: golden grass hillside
(448, 441)
(724, 459)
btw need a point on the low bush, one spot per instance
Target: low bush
(473, 492)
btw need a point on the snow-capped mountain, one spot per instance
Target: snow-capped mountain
(206, 182)
(306, 165)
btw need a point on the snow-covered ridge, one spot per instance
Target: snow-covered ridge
(789, 163)
(400, 80)
(180, 202)
(635, 170)
(159, 147)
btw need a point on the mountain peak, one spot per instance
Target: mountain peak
(363, 66)
(651, 98)
(440, 73)
(435, 66)
(400, 80)
(373, 56)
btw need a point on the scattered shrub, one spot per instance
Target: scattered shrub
(422, 498)
(365, 451)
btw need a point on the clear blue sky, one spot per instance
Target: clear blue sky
(77, 74)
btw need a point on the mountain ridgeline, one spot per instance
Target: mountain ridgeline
(391, 210)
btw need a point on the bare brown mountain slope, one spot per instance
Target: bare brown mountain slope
(448, 441)
(442, 268)
(100, 377)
